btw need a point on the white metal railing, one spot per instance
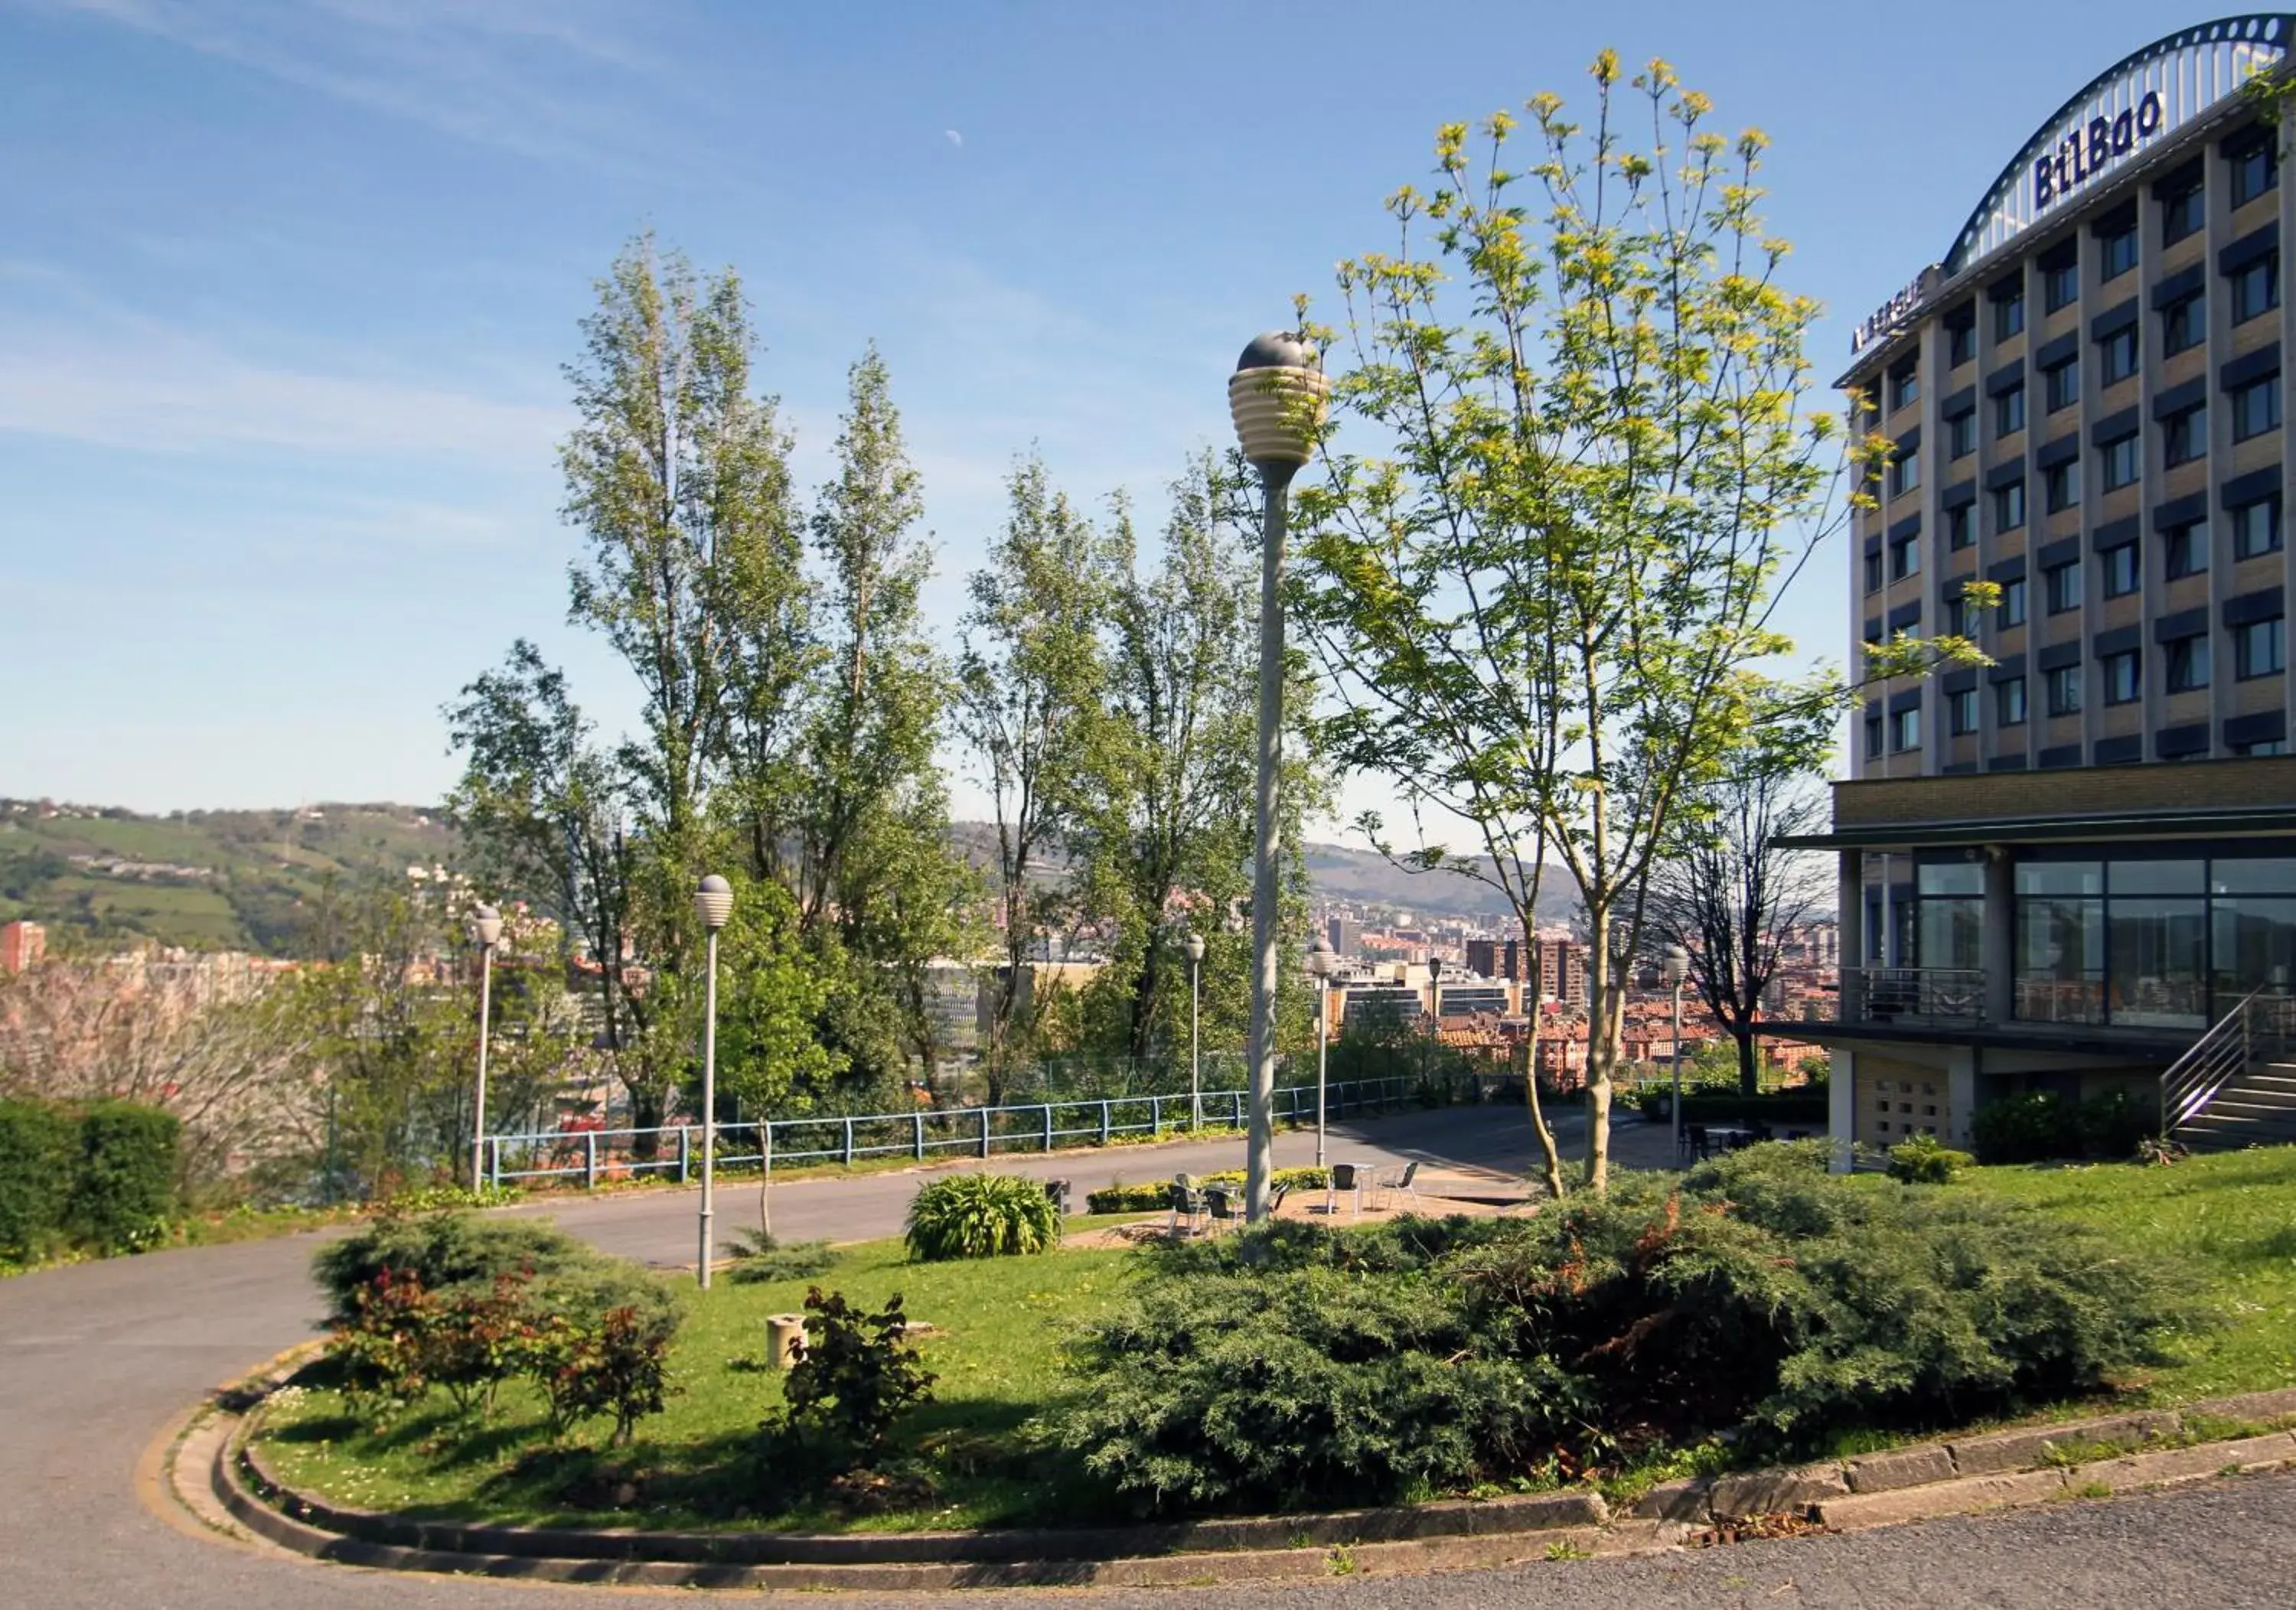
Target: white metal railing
(1040, 1126)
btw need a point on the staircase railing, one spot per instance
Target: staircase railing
(2192, 1080)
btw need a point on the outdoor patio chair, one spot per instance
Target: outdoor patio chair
(1275, 1198)
(1224, 1206)
(1701, 1147)
(1401, 1181)
(1188, 1205)
(1347, 1178)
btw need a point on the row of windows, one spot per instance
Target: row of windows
(2259, 649)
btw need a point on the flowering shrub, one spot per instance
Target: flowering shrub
(619, 1366)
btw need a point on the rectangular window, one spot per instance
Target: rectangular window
(2116, 356)
(1961, 338)
(2061, 282)
(2181, 213)
(1905, 386)
(2061, 485)
(2185, 436)
(2256, 408)
(2254, 171)
(2009, 702)
(2012, 612)
(2255, 528)
(1905, 730)
(2062, 585)
(2259, 649)
(1961, 712)
(2009, 316)
(2188, 664)
(2188, 549)
(1904, 473)
(1873, 738)
(2256, 289)
(2269, 746)
(2009, 411)
(2064, 690)
(1872, 573)
(2185, 322)
(1957, 616)
(1960, 528)
(1961, 434)
(2061, 386)
(1904, 557)
(2123, 681)
(2120, 569)
(2118, 250)
(2122, 459)
(2009, 506)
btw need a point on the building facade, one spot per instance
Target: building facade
(2085, 397)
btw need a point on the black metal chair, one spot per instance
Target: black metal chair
(1188, 1205)
(1347, 1178)
(1401, 1182)
(1223, 1205)
(1701, 1147)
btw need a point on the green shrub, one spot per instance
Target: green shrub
(1155, 1195)
(37, 1145)
(981, 1216)
(1764, 1302)
(1924, 1161)
(445, 1251)
(123, 1184)
(2112, 1125)
(855, 1375)
(613, 1363)
(2035, 1126)
(760, 1258)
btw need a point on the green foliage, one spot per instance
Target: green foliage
(1155, 1195)
(981, 1216)
(760, 1258)
(2042, 1126)
(612, 1364)
(1765, 1301)
(1924, 1160)
(446, 1252)
(36, 1153)
(855, 1376)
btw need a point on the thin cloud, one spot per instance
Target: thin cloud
(953, 137)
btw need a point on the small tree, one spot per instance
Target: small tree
(1730, 896)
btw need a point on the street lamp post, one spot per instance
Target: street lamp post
(1196, 949)
(1434, 1018)
(713, 903)
(1320, 963)
(487, 928)
(1673, 968)
(1276, 398)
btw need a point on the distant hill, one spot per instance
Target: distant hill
(206, 880)
(249, 879)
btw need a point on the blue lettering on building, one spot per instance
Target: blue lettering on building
(2083, 153)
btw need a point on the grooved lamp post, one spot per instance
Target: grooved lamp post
(1675, 968)
(487, 929)
(1196, 949)
(1276, 398)
(713, 903)
(1320, 963)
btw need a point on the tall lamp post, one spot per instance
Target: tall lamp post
(1673, 968)
(1196, 949)
(1320, 963)
(713, 903)
(1276, 398)
(1434, 1016)
(487, 929)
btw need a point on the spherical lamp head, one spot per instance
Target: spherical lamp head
(1434, 966)
(1277, 397)
(1323, 961)
(486, 927)
(713, 901)
(1674, 966)
(1195, 948)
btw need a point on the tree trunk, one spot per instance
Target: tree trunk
(1750, 1064)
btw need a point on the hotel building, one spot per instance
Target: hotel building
(2062, 870)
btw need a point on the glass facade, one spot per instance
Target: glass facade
(2160, 941)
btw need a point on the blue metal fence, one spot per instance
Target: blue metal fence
(1043, 1127)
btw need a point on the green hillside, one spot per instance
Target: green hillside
(247, 880)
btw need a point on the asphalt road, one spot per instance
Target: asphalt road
(95, 1359)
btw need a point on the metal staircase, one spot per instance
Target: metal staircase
(2236, 1086)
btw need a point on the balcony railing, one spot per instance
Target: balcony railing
(1914, 994)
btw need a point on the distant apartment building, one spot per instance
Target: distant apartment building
(22, 945)
(1561, 967)
(1345, 936)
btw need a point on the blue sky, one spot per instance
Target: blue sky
(285, 289)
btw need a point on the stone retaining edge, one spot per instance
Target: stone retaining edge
(1873, 1490)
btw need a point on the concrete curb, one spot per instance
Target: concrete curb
(1963, 1476)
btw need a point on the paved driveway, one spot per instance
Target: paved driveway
(95, 1358)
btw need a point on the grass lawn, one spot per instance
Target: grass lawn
(2230, 1220)
(998, 1325)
